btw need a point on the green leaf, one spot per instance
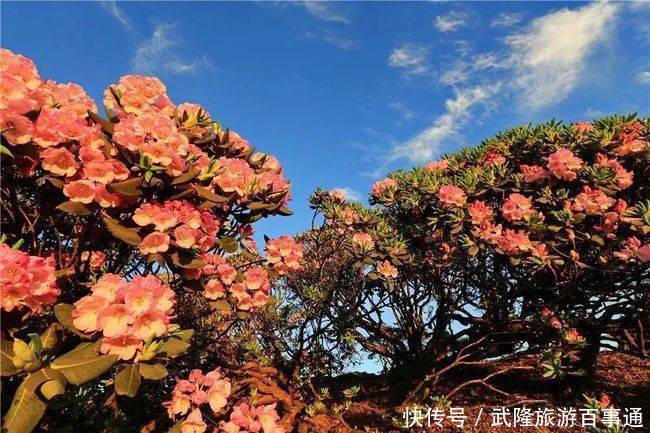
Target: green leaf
(184, 334)
(176, 428)
(50, 338)
(83, 364)
(285, 211)
(63, 313)
(174, 346)
(74, 208)
(190, 174)
(36, 343)
(26, 407)
(5, 151)
(127, 381)
(52, 388)
(228, 244)
(127, 235)
(7, 367)
(106, 125)
(221, 305)
(153, 371)
(129, 187)
(209, 195)
(187, 261)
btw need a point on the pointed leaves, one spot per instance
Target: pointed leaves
(74, 208)
(209, 195)
(125, 234)
(127, 381)
(153, 371)
(7, 367)
(175, 346)
(129, 187)
(83, 364)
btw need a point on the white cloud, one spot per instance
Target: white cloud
(463, 70)
(506, 19)
(450, 22)
(349, 193)
(643, 77)
(426, 144)
(405, 114)
(412, 57)
(324, 11)
(117, 13)
(333, 39)
(161, 53)
(549, 57)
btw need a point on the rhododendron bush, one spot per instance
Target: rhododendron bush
(134, 297)
(536, 242)
(127, 254)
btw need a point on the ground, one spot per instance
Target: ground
(625, 379)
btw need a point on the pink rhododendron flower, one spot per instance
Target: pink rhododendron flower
(583, 127)
(155, 242)
(437, 166)
(194, 423)
(623, 177)
(253, 419)
(16, 128)
(70, 96)
(592, 201)
(55, 126)
(234, 175)
(533, 173)
(452, 195)
(564, 165)
(494, 158)
(196, 390)
(95, 259)
(631, 139)
(81, 191)
(480, 212)
(383, 187)
(387, 270)
(284, 253)
(517, 207)
(127, 313)
(632, 248)
(512, 242)
(19, 67)
(138, 95)
(26, 281)
(59, 161)
(363, 240)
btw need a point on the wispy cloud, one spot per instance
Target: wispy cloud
(324, 11)
(643, 77)
(112, 8)
(464, 69)
(412, 57)
(425, 145)
(331, 38)
(506, 19)
(160, 52)
(349, 193)
(451, 21)
(405, 114)
(551, 54)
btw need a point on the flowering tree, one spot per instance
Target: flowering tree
(534, 242)
(127, 253)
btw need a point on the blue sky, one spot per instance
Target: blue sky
(343, 93)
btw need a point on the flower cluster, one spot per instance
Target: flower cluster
(253, 419)
(284, 254)
(249, 290)
(127, 313)
(178, 222)
(190, 394)
(570, 335)
(26, 281)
